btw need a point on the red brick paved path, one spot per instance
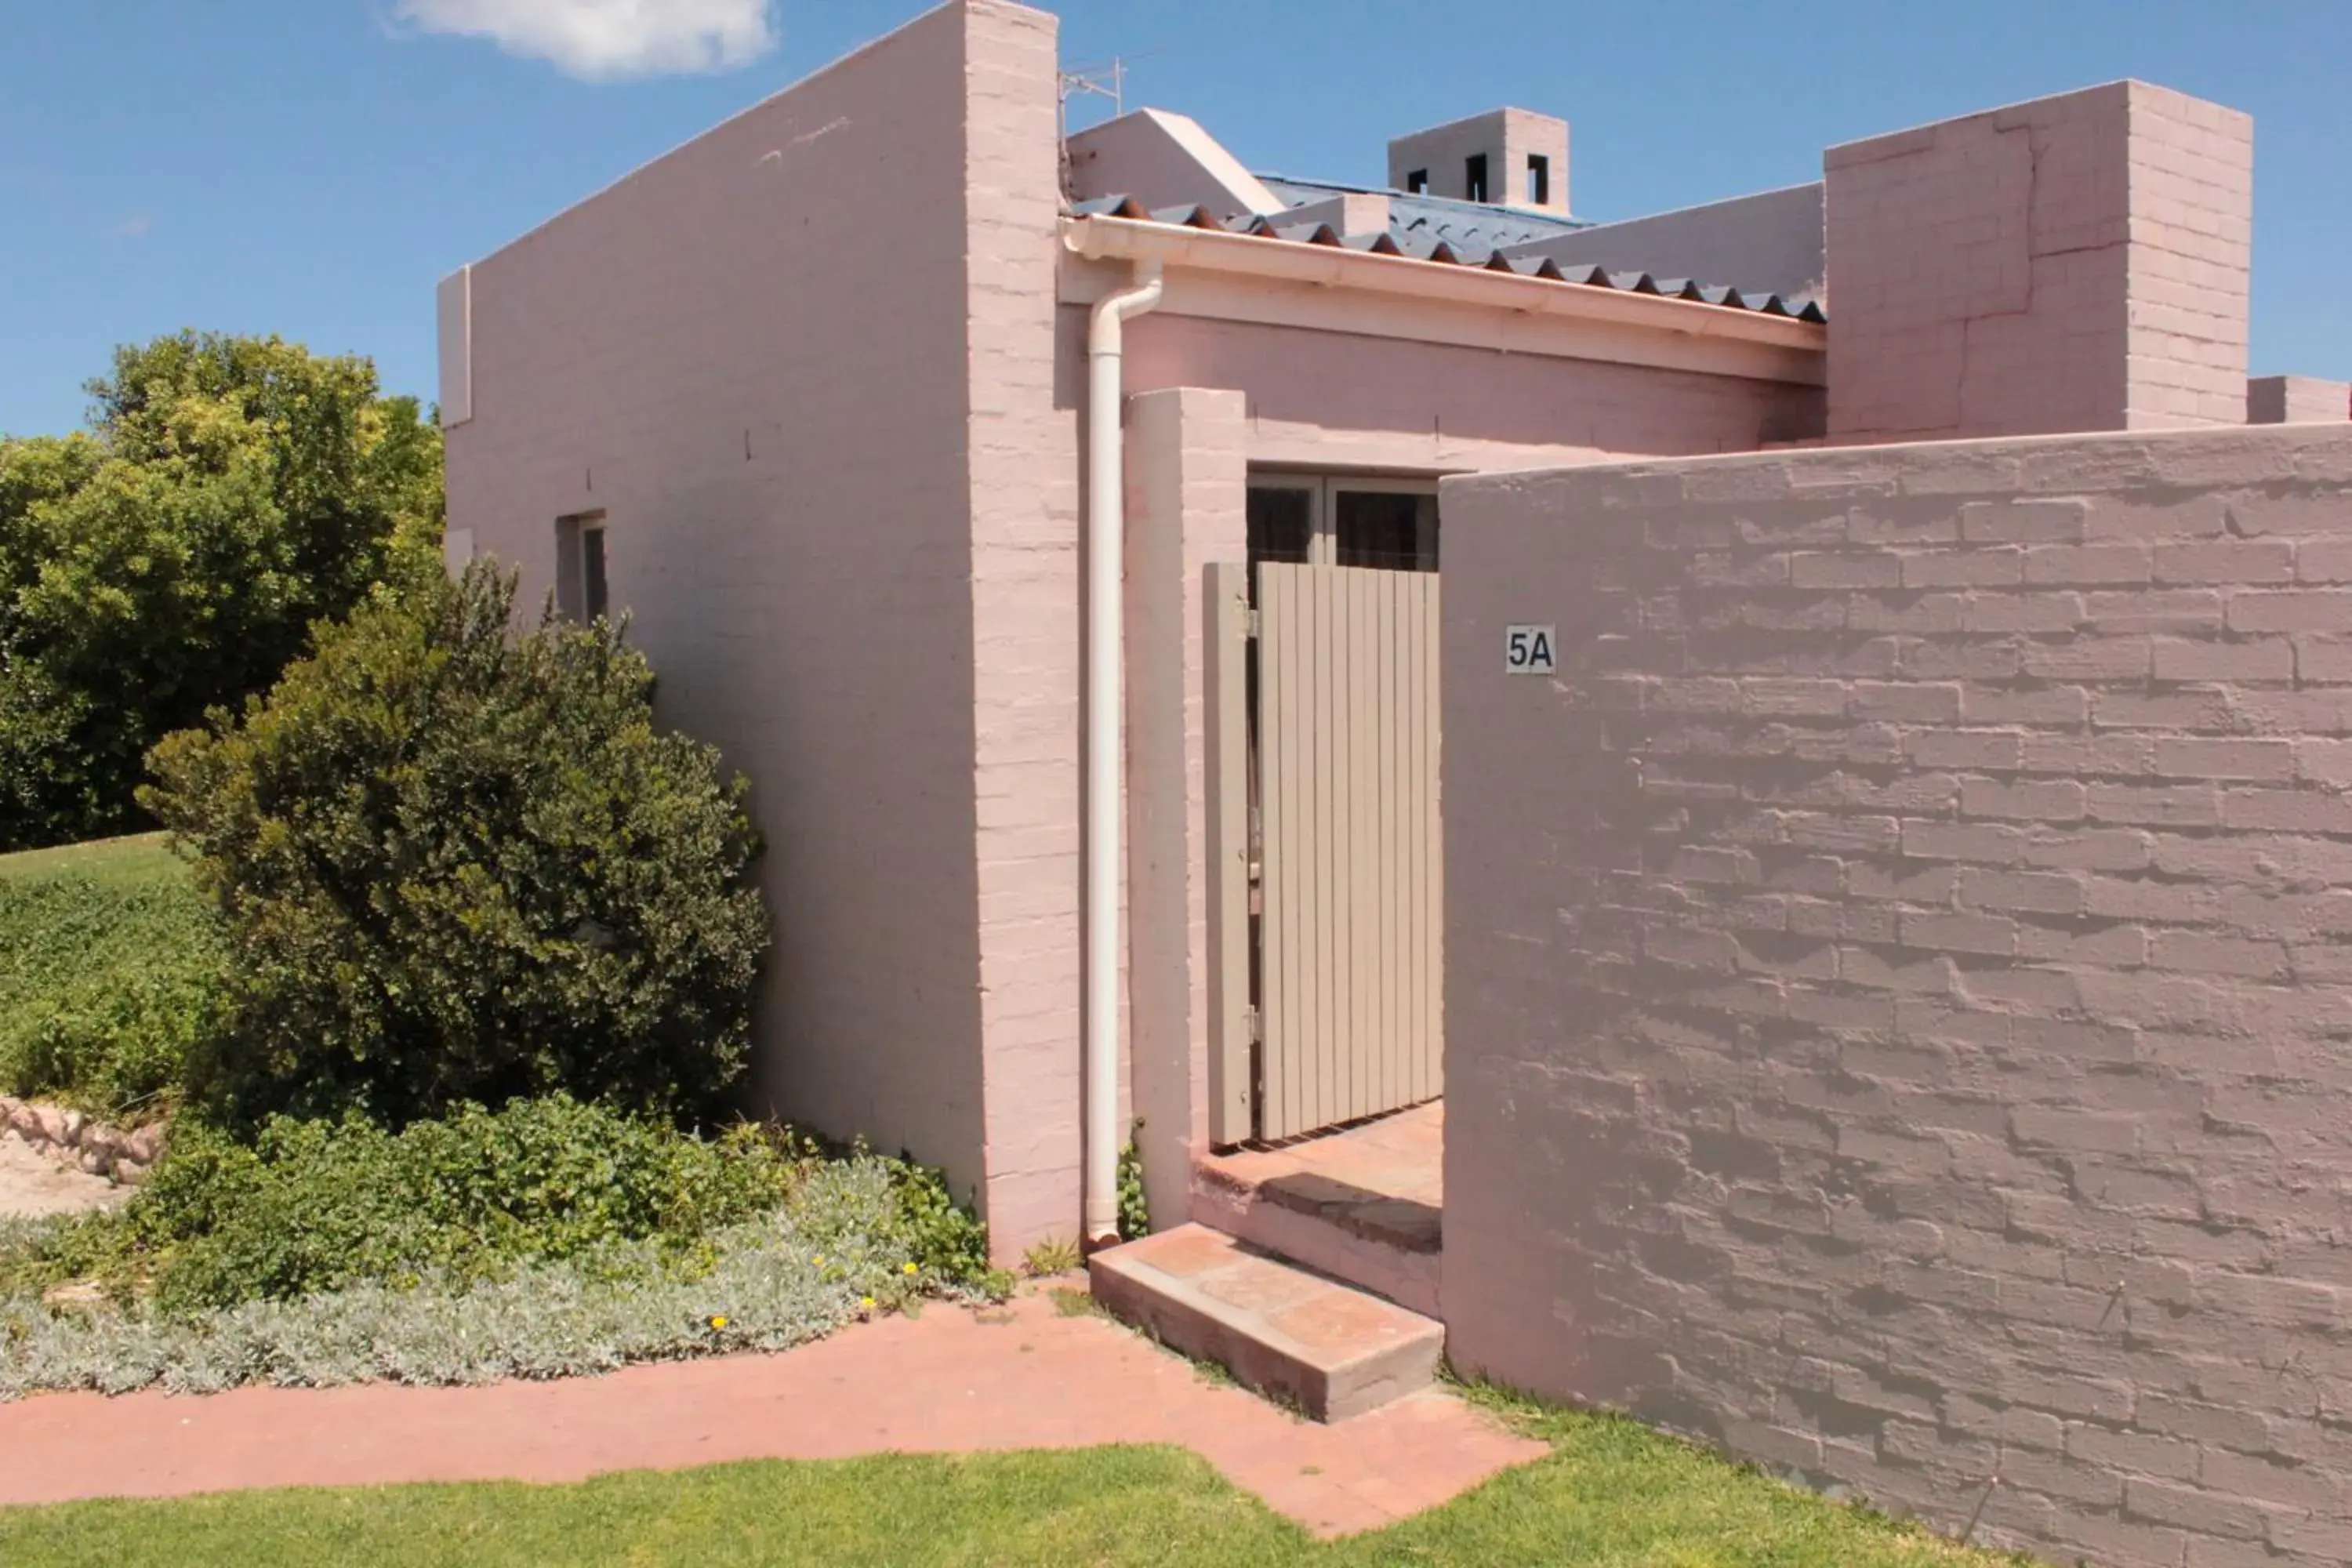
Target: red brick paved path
(946, 1382)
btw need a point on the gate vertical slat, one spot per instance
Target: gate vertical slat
(1432, 840)
(1275, 924)
(1408, 872)
(1296, 927)
(1225, 653)
(1416, 860)
(1377, 596)
(1363, 871)
(1344, 800)
(1425, 807)
(1330, 747)
(1351, 803)
(1311, 814)
(1388, 889)
(1332, 828)
(1310, 811)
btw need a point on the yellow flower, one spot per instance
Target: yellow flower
(717, 1323)
(865, 1302)
(914, 1268)
(820, 1260)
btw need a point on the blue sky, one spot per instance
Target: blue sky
(311, 167)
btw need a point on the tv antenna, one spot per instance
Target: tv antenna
(1105, 78)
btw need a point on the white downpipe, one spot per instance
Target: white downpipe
(1106, 613)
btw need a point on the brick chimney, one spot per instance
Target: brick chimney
(1513, 157)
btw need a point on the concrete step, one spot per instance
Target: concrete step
(1328, 1349)
(1389, 1246)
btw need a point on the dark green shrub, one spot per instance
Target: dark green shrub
(111, 976)
(458, 865)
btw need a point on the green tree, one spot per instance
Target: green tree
(459, 865)
(231, 492)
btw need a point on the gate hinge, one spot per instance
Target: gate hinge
(1256, 842)
(1253, 1026)
(1252, 623)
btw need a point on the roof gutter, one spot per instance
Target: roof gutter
(1336, 267)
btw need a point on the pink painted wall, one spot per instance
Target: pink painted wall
(1506, 137)
(2076, 263)
(1770, 242)
(1897, 974)
(1418, 400)
(1027, 632)
(1163, 160)
(1188, 468)
(766, 380)
(2297, 399)
(1349, 213)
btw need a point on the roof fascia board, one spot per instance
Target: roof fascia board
(1271, 282)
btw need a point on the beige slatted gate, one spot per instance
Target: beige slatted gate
(1348, 855)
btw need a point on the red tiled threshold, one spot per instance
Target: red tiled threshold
(950, 1381)
(1364, 1204)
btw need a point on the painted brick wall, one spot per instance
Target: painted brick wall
(1768, 243)
(1026, 636)
(2297, 399)
(2191, 181)
(1506, 137)
(1162, 160)
(1187, 470)
(763, 378)
(2075, 263)
(1465, 405)
(1898, 996)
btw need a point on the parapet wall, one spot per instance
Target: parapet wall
(2075, 263)
(1898, 1001)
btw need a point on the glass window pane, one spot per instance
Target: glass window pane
(1386, 528)
(592, 561)
(1281, 521)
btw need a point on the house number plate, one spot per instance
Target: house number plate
(1530, 651)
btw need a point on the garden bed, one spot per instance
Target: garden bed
(549, 1239)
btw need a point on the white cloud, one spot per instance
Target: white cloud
(134, 226)
(602, 39)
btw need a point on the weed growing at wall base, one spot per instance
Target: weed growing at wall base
(1054, 1255)
(1134, 1209)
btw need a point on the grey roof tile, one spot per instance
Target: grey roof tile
(1447, 233)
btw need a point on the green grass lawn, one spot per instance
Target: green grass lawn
(108, 964)
(1609, 1493)
(141, 860)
